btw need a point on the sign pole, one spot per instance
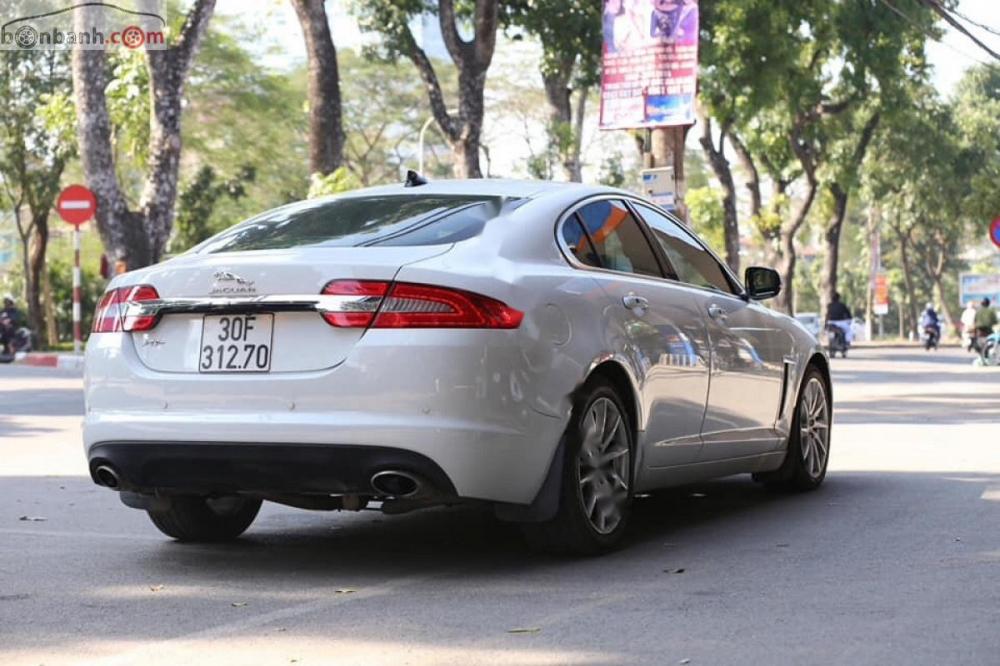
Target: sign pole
(77, 284)
(76, 204)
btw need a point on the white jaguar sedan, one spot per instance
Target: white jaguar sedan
(551, 349)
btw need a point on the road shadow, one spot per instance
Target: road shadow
(696, 546)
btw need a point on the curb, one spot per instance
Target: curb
(61, 361)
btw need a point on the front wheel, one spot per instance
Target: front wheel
(206, 519)
(596, 495)
(809, 441)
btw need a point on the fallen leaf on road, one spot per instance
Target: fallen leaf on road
(33, 519)
(238, 604)
(781, 545)
(524, 630)
(673, 571)
(344, 591)
(155, 588)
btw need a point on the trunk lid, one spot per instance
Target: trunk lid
(299, 341)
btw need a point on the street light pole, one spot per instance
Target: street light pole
(420, 145)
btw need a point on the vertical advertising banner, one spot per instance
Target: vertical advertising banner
(650, 63)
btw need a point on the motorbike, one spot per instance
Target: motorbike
(20, 342)
(931, 337)
(989, 349)
(836, 340)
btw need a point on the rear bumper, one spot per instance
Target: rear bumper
(464, 400)
(216, 467)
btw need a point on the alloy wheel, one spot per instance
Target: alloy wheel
(604, 464)
(814, 427)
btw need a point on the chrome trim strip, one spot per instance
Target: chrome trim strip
(273, 303)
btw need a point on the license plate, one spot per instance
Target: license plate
(236, 343)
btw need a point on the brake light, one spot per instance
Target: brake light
(379, 304)
(116, 311)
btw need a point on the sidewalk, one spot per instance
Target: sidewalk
(50, 360)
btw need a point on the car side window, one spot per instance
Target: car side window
(617, 239)
(692, 262)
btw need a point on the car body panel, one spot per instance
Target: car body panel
(488, 406)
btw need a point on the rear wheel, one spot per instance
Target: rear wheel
(596, 495)
(206, 519)
(809, 441)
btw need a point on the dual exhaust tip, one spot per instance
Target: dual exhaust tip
(394, 483)
(106, 475)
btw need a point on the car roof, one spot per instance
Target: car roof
(501, 187)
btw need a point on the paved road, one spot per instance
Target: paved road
(895, 560)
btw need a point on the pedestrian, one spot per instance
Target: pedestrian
(968, 322)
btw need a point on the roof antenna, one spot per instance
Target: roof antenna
(413, 179)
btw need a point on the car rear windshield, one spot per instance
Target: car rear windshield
(369, 220)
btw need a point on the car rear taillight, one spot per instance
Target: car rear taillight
(117, 312)
(379, 304)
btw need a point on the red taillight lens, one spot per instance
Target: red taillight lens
(424, 306)
(408, 305)
(358, 309)
(115, 314)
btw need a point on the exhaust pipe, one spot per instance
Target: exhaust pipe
(107, 476)
(395, 483)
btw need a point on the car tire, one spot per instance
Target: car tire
(595, 497)
(808, 452)
(201, 519)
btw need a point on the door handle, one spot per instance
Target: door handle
(637, 303)
(716, 311)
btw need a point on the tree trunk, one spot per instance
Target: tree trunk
(806, 156)
(137, 238)
(472, 58)
(835, 225)
(724, 174)
(564, 126)
(753, 176)
(575, 171)
(326, 129)
(831, 260)
(786, 299)
(904, 255)
(36, 266)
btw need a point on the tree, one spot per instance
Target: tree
(136, 237)
(472, 58)
(570, 35)
(33, 154)
(326, 130)
(741, 76)
(197, 200)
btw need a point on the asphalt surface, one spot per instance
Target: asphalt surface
(896, 559)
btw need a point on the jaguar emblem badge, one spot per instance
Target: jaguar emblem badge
(228, 283)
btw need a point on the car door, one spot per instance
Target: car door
(748, 348)
(653, 321)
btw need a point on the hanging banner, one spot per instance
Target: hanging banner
(650, 63)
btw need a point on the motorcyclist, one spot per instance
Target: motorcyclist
(969, 326)
(839, 316)
(930, 319)
(986, 319)
(10, 321)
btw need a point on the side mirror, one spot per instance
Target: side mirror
(762, 283)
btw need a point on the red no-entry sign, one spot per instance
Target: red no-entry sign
(76, 204)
